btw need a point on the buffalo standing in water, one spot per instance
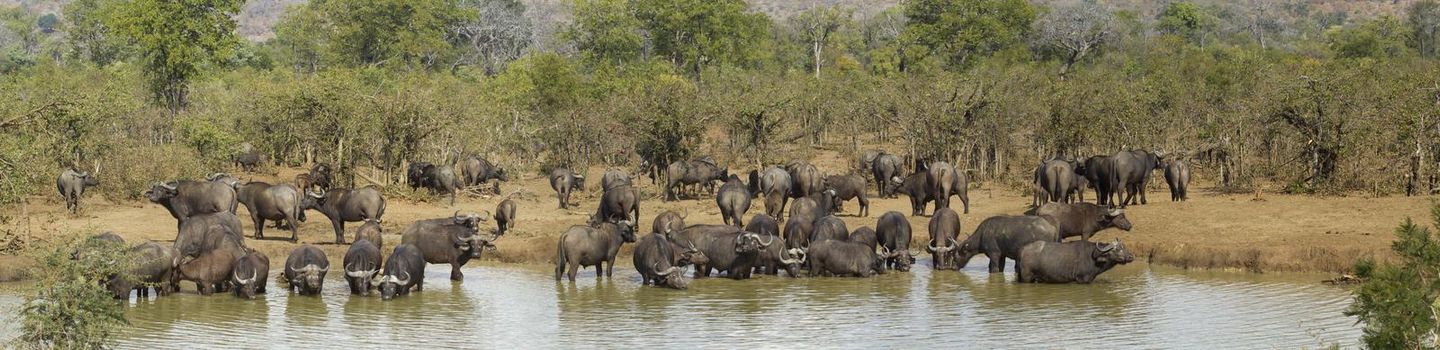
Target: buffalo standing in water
(584, 246)
(894, 234)
(944, 229)
(72, 185)
(1001, 237)
(1068, 262)
(662, 262)
(1083, 219)
(454, 240)
(730, 249)
(250, 275)
(362, 262)
(154, 267)
(840, 258)
(404, 270)
(305, 270)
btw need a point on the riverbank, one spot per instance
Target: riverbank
(1273, 233)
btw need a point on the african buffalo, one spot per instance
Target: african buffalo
(362, 263)
(205, 232)
(773, 184)
(844, 188)
(829, 227)
(733, 200)
(345, 205)
(1068, 262)
(662, 262)
(154, 268)
(371, 231)
(563, 181)
(475, 170)
(305, 270)
(615, 178)
(247, 161)
(917, 188)
(278, 202)
(72, 184)
(808, 207)
(505, 216)
(404, 269)
(319, 177)
(187, 198)
(583, 246)
(668, 223)
(775, 256)
(893, 232)
(886, 169)
(104, 241)
(212, 269)
(1177, 175)
(1001, 237)
(1132, 173)
(941, 181)
(797, 231)
(805, 180)
(1083, 219)
(1056, 178)
(841, 258)
(250, 275)
(616, 204)
(729, 249)
(440, 179)
(864, 235)
(453, 240)
(691, 173)
(867, 158)
(944, 229)
(1098, 171)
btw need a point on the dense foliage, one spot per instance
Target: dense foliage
(71, 309)
(1397, 302)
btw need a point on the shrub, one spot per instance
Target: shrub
(70, 308)
(1397, 302)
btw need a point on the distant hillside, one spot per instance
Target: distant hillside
(259, 16)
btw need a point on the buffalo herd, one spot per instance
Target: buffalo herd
(808, 239)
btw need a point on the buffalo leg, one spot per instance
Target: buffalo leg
(259, 225)
(455, 274)
(574, 269)
(864, 205)
(997, 263)
(610, 268)
(339, 232)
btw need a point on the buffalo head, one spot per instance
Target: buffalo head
(390, 285)
(1114, 252)
(1116, 217)
(674, 276)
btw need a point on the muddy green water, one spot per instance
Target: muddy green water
(510, 306)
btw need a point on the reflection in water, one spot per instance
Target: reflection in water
(508, 305)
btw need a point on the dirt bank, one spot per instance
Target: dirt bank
(1211, 231)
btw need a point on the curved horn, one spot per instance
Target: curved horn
(1107, 248)
(352, 273)
(672, 270)
(952, 246)
(764, 244)
(796, 252)
(1116, 212)
(168, 186)
(687, 214)
(313, 194)
(931, 247)
(692, 246)
(405, 281)
(885, 252)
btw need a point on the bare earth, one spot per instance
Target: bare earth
(1211, 231)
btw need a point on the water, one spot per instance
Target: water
(522, 306)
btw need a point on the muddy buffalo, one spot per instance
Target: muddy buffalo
(840, 258)
(362, 263)
(404, 270)
(772, 184)
(729, 249)
(1083, 219)
(733, 200)
(1068, 262)
(72, 184)
(453, 240)
(345, 205)
(1001, 237)
(584, 246)
(305, 270)
(273, 202)
(250, 275)
(668, 223)
(662, 262)
(211, 270)
(205, 232)
(187, 198)
(944, 229)
(893, 232)
(846, 187)
(563, 181)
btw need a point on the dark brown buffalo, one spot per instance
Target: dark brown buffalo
(867, 158)
(1098, 171)
(733, 200)
(829, 227)
(154, 268)
(305, 270)
(617, 204)
(187, 198)
(404, 270)
(362, 264)
(505, 216)
(662, 262)
(453, 240)
(250, 275)
(212, 269)
(1069, 262)
(917, 188)
(841, 258)
(893, 232)
(668, 223)
(806, 181)
(886, 168)
(944, 229)
(773, 185)
(345, 205)
(205, 232)
(1177, 175)
(563, 181)
(1083, 219)
(774, 257)
(729, 249)
(319, 178)
(797, 231)
(72, 184)
(691, 173)
(846, 187)
(372, 232)
(1001, 237)
(273, 202)
(583, 246)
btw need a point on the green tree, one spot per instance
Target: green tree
(91, 36)
(1424, 20)
(70, 309)
(960, 30)
(605, 31)
(697, 33)
(177, 39)
(1186, 20)
(817, 27)
(1397, 302)
(300, 39)
(375, 32)
(1380, 37)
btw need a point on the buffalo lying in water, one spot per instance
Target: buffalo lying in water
(662, 262)
(841, 258)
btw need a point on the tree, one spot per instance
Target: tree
(960, 30)
(816, 25)
(1381, 37)
(1074, 31)
(605, 31)
(1424, 19)
(1397, 303)
(697, 33)
(497, 34)
(177, 39)
(300, 39)
(1186, 20)
(70, 309)
(90, 34)
(375, 32)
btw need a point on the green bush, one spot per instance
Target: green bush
(1397, 302)
(70, 309)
